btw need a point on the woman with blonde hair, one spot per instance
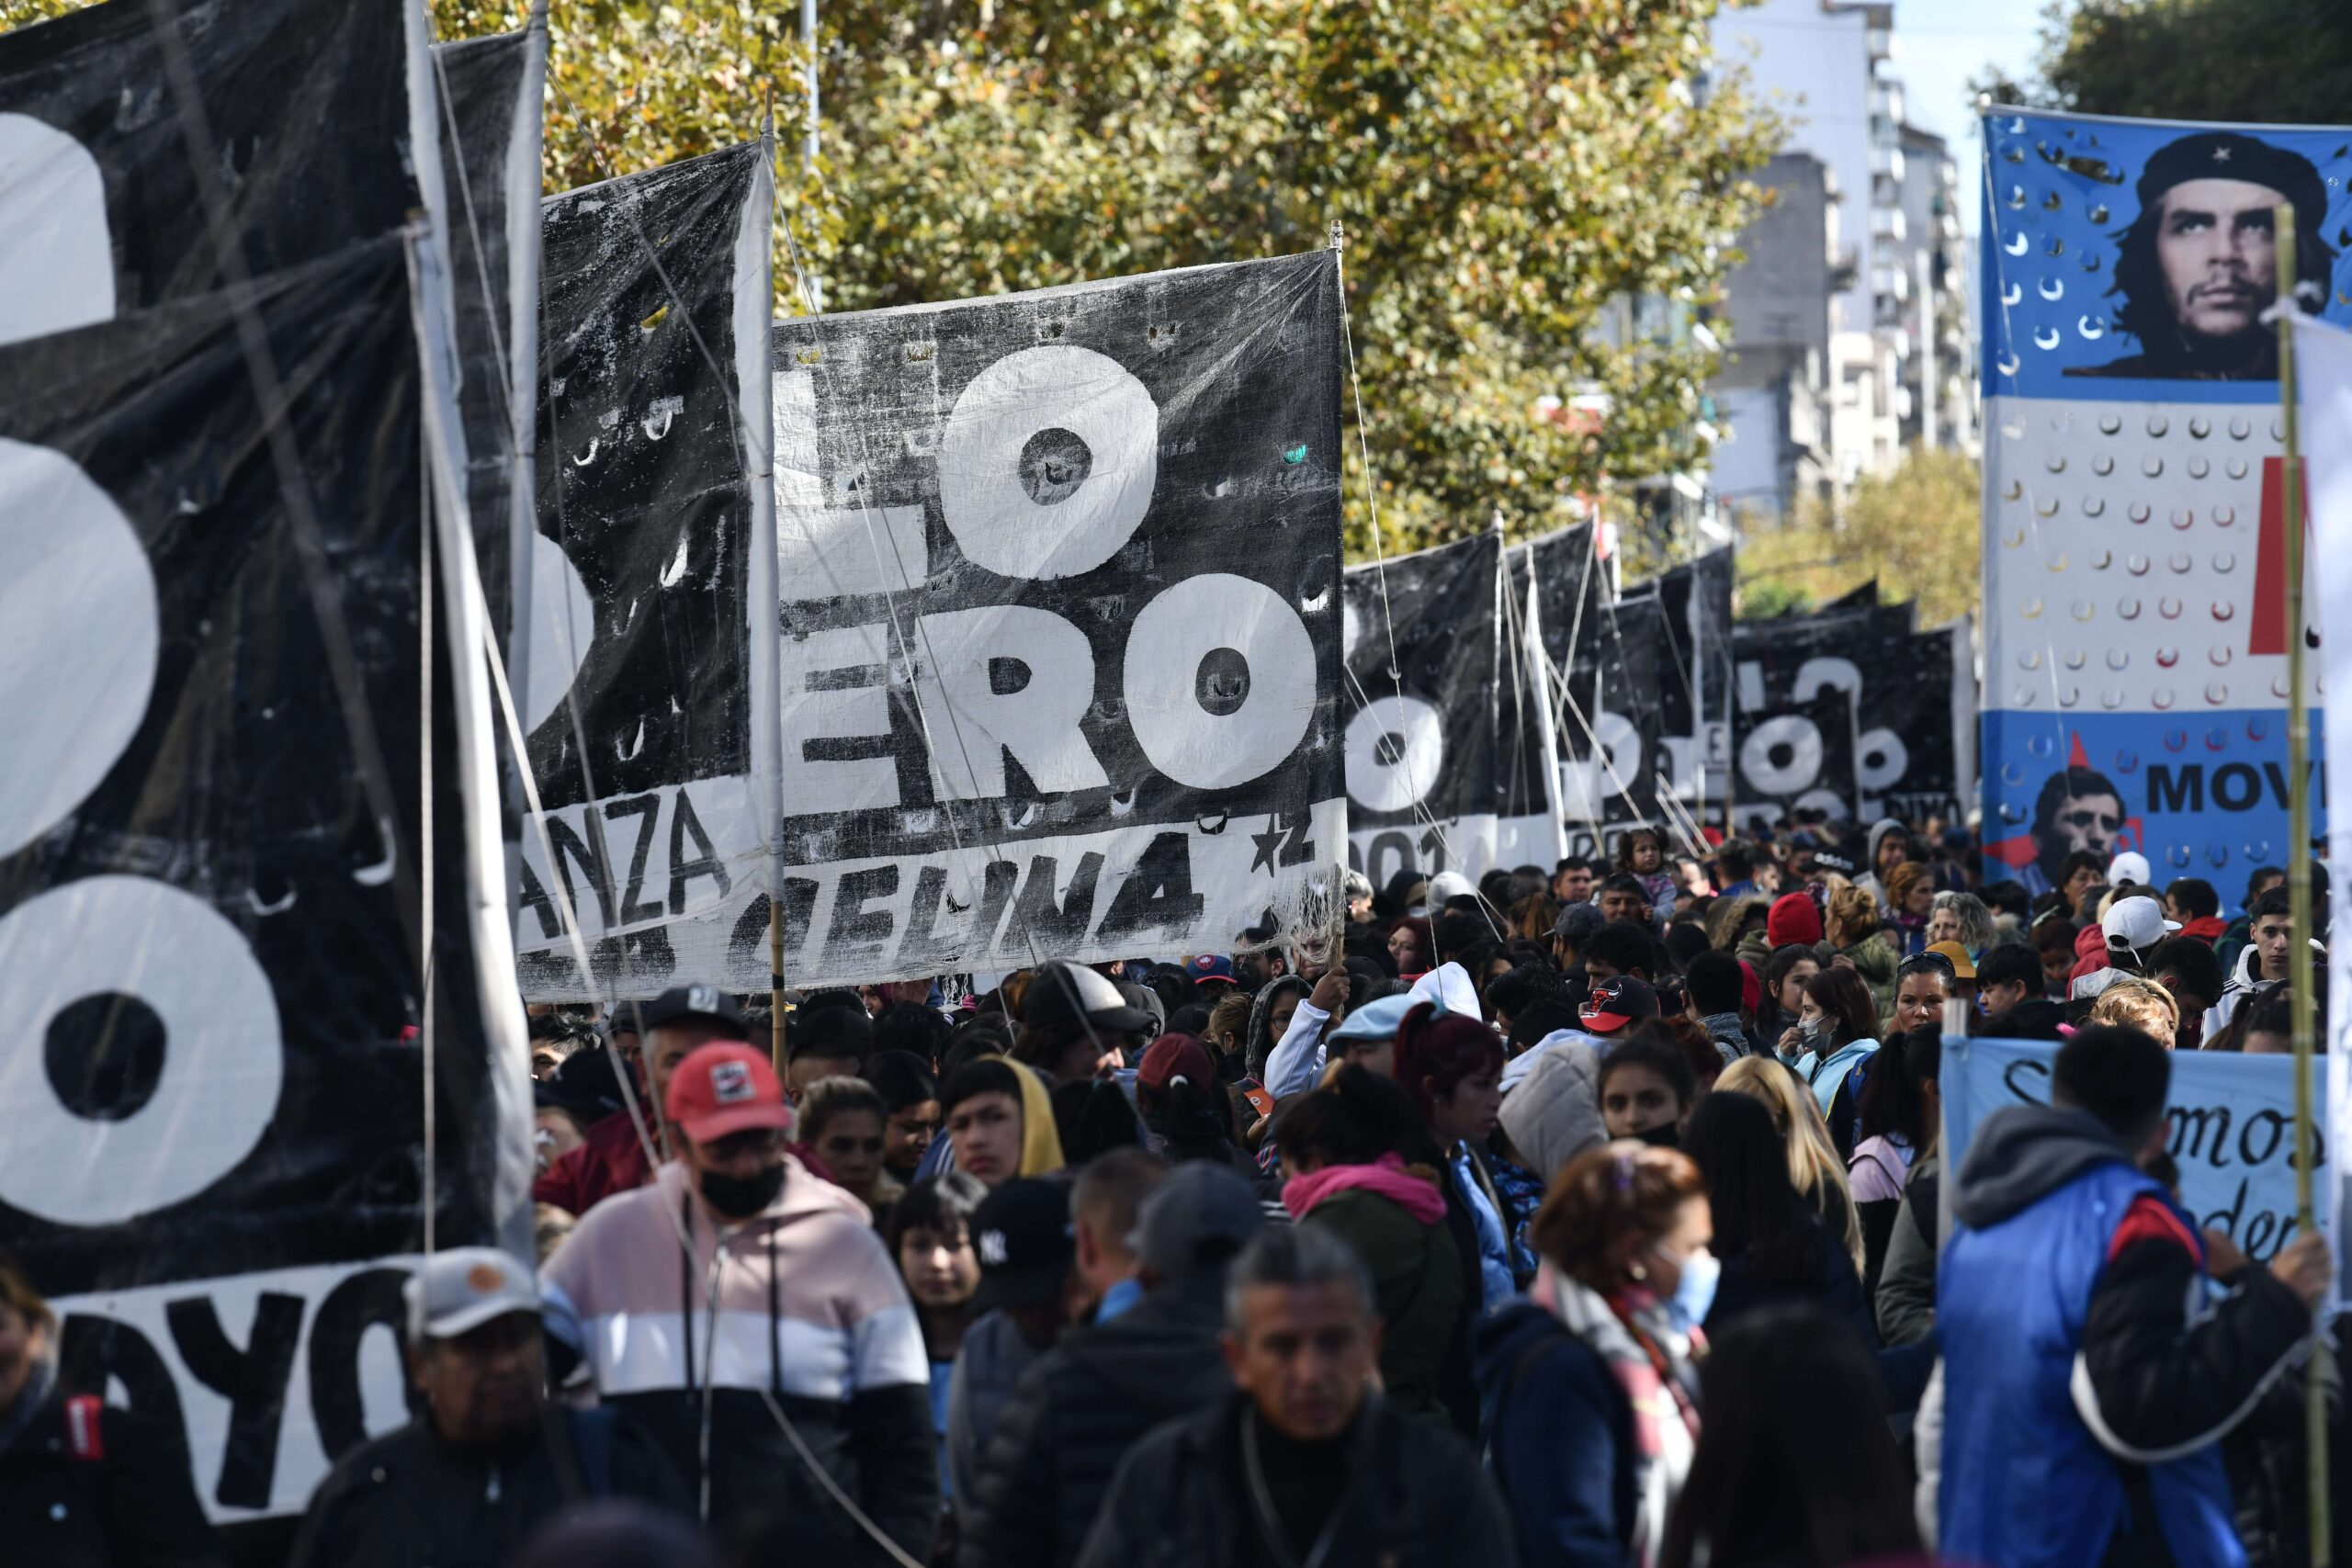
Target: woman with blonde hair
(2140, 1004)
(1851, 929)
(1813, 1165)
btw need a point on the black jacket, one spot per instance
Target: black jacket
(1834, 1287)
(1416, 1498)
(1076, 1412)
(129, 1504)
(407, 1499)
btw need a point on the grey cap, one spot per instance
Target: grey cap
(464, 1288)
(1199, 1213)
(1577, 922)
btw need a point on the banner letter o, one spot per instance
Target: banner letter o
(223, 1054)
(1047, 462)
(1178, 632)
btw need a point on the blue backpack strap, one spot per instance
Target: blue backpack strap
(591, 1444)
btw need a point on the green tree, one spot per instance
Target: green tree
(1506, 172)
(1915, 530)
(2266, 61)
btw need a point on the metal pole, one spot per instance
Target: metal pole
(808, 43)
(2298, 864)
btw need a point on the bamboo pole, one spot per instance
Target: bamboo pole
(2299, 866)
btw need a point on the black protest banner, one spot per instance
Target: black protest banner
(1797, 755)
(638, 685)
(1059, 583)
(1445, 749)
(1607, 718)
(1695, 698)
(490, 91)
(308, 112)
(216, 1159)
(1913, 696)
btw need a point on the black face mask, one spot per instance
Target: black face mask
(1665, 1135)
(740, 1197)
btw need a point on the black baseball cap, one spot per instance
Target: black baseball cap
(1616, 1002)
(686, 1001)
(1022, 1233)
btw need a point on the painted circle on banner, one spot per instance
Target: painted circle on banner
(57, 272)
(1396, 750)
(223, 1058)
(1047, 462)
(1781, 755)
(79, 637)
(1880, 759)
(563, 622)
(1227, 640)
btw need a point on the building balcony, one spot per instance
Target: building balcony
(1888, 224)
(1890, 283)
(1887, 163)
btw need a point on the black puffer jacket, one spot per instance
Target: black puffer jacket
(1416, 1498)
(118, 1497)
(1077, 1412)
(410, 1498)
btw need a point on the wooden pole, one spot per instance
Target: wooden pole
(2299, 866)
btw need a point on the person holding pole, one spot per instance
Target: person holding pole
(2097, 1348)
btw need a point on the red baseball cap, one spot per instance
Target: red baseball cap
(726, 1087)
(1176, 1056)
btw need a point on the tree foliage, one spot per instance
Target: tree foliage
(1915, 530)
(1505, 171)
(2267, 61)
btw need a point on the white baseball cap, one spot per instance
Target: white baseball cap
(464, 1288)
(2131, 867)
(2135, 924)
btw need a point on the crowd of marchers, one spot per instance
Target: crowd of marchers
(1593, 1215)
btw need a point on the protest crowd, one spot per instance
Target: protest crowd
(648, 926)
(1585, 1215)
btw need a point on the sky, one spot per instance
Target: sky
(1939, 44)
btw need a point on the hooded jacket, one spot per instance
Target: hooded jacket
(1261, 1038)
(1873, 959)
(1870, 877)
(2088, 1373)
(1425, 1294)
(1082, 1405)
(801, 1304)
(1554, 1113)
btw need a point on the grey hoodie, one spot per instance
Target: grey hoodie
(2021, 1154)
(1554, 1115)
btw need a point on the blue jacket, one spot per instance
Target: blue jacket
(1559, 1440)
(2025, 1481)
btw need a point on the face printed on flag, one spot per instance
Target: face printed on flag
(2135, 633)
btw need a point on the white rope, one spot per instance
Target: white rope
(425, 1033)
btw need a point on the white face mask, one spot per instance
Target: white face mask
(1809, 1029)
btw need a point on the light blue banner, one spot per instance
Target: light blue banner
(2233, 1128)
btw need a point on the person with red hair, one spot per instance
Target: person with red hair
(1452, 1066)
(1412, 947)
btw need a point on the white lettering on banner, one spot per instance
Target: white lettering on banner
(1220, 680)
(79, 634)
(813, 564)
(1047, 462)
(563, 622)
(270, 1377)
(640, 860)
(835, 689)
(57, 271)
(1016, 679)
(1796, 736)
(1395, 748)
(108, 936)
